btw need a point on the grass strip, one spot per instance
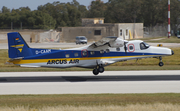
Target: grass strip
(40, 101)
(129, 107)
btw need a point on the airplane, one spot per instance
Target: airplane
(97, 55)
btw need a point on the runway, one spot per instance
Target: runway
(90, 78)
(87, 83)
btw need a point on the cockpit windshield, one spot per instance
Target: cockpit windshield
(144, 45)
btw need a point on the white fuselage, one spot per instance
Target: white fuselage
(89, 57)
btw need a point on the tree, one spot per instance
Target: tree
(56, 14)
(83, 11)
(73, 15)
(149, 11)
(116, 12)
(97, 9)
(175, 13)
(75, 3)
(5, 10)
(66, 14)
(42, 20)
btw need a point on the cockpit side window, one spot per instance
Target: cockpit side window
(143, 46)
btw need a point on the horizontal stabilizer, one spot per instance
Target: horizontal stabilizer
(18, 58)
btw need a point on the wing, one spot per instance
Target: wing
(108, 41)
(105, 40)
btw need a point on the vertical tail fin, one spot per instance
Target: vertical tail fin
(17, 46)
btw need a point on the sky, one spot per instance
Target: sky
(33, 4)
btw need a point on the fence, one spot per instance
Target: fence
(156, 31)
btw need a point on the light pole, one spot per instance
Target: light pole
(169, 28)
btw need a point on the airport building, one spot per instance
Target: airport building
(95, 29)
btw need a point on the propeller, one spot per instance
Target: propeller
(125, 48)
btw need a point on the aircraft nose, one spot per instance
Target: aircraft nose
(172, 52)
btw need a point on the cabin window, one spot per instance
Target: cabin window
(107, 50)
(84, 53)
(92, 52)
(131, 48)
(118, 49)
(101, 51)
(67, 56)
(75, 54)
(144, 45)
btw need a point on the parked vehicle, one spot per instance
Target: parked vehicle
(81, 40)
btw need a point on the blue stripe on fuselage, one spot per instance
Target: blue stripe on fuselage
(61, 54)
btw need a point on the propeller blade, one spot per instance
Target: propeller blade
(125, 48)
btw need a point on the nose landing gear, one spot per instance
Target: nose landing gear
(98, 69)
(160, 63)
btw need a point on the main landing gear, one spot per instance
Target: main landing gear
(160, 63)
(98, 69)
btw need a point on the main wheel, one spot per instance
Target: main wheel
(161, 64)
(101, 69)
(95, 71)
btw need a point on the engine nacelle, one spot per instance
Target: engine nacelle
(117, 43)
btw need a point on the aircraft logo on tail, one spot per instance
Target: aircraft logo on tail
(19, 47)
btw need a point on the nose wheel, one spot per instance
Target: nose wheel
(98, 69)
(161, 63)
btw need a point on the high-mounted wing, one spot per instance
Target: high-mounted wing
(110, 41)
(105, 40)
